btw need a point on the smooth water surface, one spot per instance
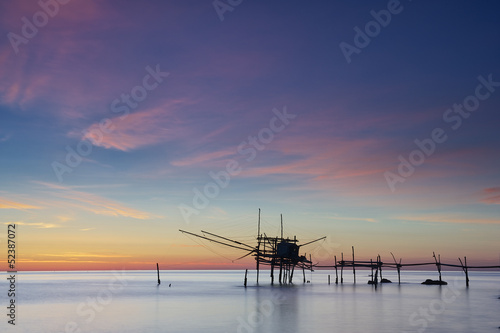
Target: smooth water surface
(216, 301)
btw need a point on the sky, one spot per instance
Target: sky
(374, 123)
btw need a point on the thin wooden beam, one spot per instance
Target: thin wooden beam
(272, 271)
(353, 265)
(258, 247)
(466, 273)
(465, 269)
(336, 273)
(379, 263)
(158, 272)
(371, 266)
(342, 268)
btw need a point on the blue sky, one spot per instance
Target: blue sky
(324, 167)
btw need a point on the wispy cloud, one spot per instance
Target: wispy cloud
(142, 128)
(39, 225)
(8, 204)
(361, 219)
(94, 203)
(39, 72)
(203, 158)
(439, 218)
(83, 254)
(493, 196)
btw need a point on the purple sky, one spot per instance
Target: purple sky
(172, 95)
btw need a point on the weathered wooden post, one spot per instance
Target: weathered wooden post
(281, 270)
(379, 263)
(371, 266)
(440, 280)
(466, 271)
(438, 264)
(158, 272)
(272, 271)
(342, 268)
(258, 247)
(310, 259)
(246, 272)
(398, 267)
(353, 269)
(336, 273)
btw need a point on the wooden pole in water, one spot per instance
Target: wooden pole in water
(258, 247)
(379, 263)
(291, 274)
(342, 268)
(464, 268)
(158, 272)
(328, 278)
(304, 274)
(398, 267)
(245, 283)
(399, 271)
(310, 259)
(438, 264)
(336, 273)
(439, 256)
(353, 269)
(272, 271)
(466, 272)
(371, 266)
(281, 270)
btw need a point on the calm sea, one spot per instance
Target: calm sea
(216, 301)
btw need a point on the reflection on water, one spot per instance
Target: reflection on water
(216, 301)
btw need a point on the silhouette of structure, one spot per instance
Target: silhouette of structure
(376, 266)
(277, 252)
(283, 253)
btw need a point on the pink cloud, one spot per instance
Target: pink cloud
(141, 128)
(55, 67)
(8, 204)
(204, 158)
(93, 203)
(39, 225)
(325, 158)
(493, 194)
(438, 218)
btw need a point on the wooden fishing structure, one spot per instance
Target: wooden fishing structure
(283, 253)
(376, 268)
(276, 252)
